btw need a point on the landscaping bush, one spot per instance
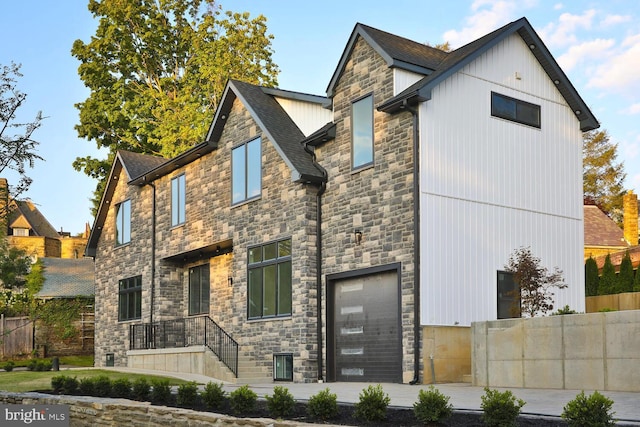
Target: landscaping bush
(372, 405)
(69, 385)
(564, 310)
(141, 389)
(592, 411)
(43, 365)
(187, 394)
(432, 406)
(86, 387)
(121, 388)
(9, 366)
(102, 386)
(281, 403)
(500, 409)
(57, 383)
(323, 405)
(32, 365)
(213, 395)
(161, 392)
(242, 400)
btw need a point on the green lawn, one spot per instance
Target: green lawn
(77, 361)
(21, 381)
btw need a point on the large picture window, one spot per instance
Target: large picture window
(515, 110)
(130, 298)
(178, 200)
(270, 280)
(199, 290)
(362, 132)
(246, 171)
(123, 223)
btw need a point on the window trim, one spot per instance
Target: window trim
(287, 359)
(179, 212)
(200, 267)
(365, 165)
(515, 117)
(261, 265)
(120, 223)
(246, 169)
(132, 290)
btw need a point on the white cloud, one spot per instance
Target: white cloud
(611, 20)
(558, 6)
(620, 70)
(487, 16)
(584, 52)
(632, 109)
(563, 32)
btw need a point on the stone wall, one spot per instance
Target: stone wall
(598, 351)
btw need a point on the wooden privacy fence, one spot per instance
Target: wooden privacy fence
(16, 335)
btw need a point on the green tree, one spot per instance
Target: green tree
(17, 146)
(625, 276)
(156, 71)
(534, 282)
(607, 283)
(591, 277)
(16, 287)
(636, 280)
(602, 175)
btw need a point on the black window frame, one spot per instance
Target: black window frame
(128, 289)
(202, 304)
(123, 238)
(262, 269)
(284, 361)
(513, 301)
(356, 124)
(178, 200)
(517, 110)
(246, 168)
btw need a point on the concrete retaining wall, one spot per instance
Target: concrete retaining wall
(446, 352)
(598, 351)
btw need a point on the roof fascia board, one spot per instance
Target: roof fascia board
(296, 96)
(222, 113)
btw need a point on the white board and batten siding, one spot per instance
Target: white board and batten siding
(309, 117)
(402, 79)
(490, 186)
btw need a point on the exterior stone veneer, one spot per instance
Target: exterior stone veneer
(377, 200)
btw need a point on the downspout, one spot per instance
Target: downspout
(416, 245)
(153, 250)
(321, 190)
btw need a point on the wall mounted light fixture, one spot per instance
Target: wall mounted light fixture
(358, 236)
(230, 280)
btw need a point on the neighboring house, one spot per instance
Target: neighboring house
(28, 229)
(68, 279)
(328, 236)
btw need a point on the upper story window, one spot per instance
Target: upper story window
(21, 232)
(270, 280)
(362, 132)
(246, 166)
(130, 298)
(123, 222)
(178, 203)
(515, 110)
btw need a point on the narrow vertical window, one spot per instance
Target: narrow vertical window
(130, 298)
(246, 177)
(362, 132)
(270, 292)
(123, 223)
(199, 290)
(508, 296)
(178, 200)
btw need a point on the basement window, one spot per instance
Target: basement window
(283, 367)
(515, 110)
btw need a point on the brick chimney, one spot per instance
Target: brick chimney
(630, 222)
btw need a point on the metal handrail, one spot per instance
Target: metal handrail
(186, 332)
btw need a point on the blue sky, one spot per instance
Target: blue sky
(596, 43)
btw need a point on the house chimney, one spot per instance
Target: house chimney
(630, 222)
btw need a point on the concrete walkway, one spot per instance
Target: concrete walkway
(546, 402)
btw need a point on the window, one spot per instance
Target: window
(130, 298)
(270, 280)
(21, 232)
(123, 223)
(283, 367)
(362, 132)
(178, 204)
(199, 290)
(246, 171)
(515, 110)
(508, 298)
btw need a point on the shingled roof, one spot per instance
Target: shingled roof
(25, 214)
(600, 230)
(67, 278)
(136, 164)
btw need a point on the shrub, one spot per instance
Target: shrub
(69, 385)
(432, 406)
(43, 365)
(161, 392)
(102, 386)
(591, 411)
(213, 395)
(140, 389)
(323, 405)
(606, 310)
(121, 388)
(187, 394)
(57, 382)
(281, 403)
(372, 405)
(86, 387)
(564, 310)
(9, 366)
(242, 400)
(500, 409)
(32, 365)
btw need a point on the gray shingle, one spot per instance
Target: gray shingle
(67, 278)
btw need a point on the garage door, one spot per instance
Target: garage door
(366, 329)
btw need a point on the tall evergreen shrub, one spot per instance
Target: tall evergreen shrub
(607, 284)
(625, 277)
(591, 277)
